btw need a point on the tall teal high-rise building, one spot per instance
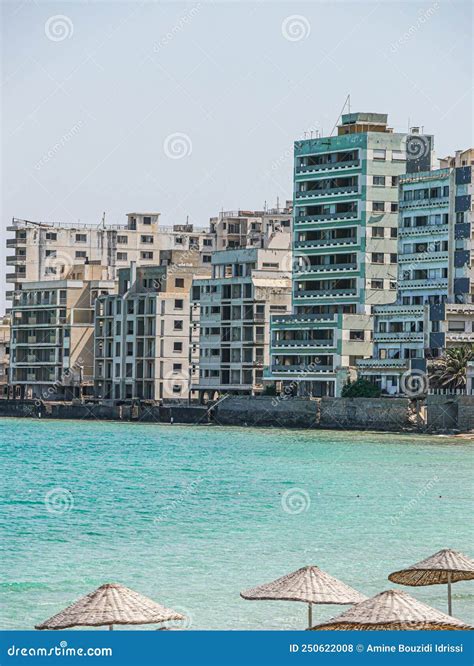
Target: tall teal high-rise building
(344, 249)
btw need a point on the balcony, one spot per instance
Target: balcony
(424, 203)
(305, 370)
(459, 336)
(14, 259)
(313, 168)
(328, 217)
(329, 268)
(402, 336)
(416, 257)
(13, 242)
(383, 363)
(340, 242)
(430, 229)
(327, 293)
(298, 344)
(428, 283)
(326, 192)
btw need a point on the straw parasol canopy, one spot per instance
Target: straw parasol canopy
(391, 611)
(444, 567)
(110, 604)
(309, 584)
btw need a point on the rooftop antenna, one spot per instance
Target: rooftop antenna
(265, 205)
(278, 204)
(305, 134)
(103, 219)
(347, 102)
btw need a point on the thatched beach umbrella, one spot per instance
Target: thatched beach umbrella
(444, 567)
(391, 611)
(110, 604)
(309, 584)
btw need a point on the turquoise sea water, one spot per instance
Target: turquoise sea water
(193, 515)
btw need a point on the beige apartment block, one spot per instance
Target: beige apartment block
(142, 347)
(230, 317)
(247, 228)
(46, 251)
(51, 347)
(4, 353)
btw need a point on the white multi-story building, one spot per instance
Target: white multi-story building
(47, 251)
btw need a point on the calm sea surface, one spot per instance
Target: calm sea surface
(193, 515)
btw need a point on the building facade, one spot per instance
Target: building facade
(52, 329)
(45, 251)
(142, 333)
(249, 228)
(434, 308)
(344, 249)
(230, 316)
(4, 353)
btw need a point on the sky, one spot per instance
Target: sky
(192, 108)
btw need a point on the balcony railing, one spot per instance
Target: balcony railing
(383, 363)
(327, 191)
(277, 344)
(302, 369)
(349, 164)
(425, 229)
(324, 243)
(427, 283)
(411, 336)
(429, 255)
(422, 203)
(329, 268)
(330, 217)
(325, 293)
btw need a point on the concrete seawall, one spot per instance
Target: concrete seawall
(437, 413)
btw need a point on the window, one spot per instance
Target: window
(398, 155)
(81, 254)
(179, 282)
(177, 346)
(207, 242)
(392, 284)
(122, 256)
(176, 388)
(379, 154)
(394, 207)
(51, 236)
(393, 258)
(177, 367)
(122, 240)
(393, 232)
(178, 324)
(146, 239)
(129, 327)
(379, 180)
(178, 303)
(50, 253)
(456, 326)
(146, 255)
(378, 206)
(377, 257)
(356, 335)
(377, 232)
(395, 181)
(206, 259)
(81, 238)
(376, 284)
(178, 240)
(146, 219)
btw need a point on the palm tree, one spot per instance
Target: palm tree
(449, 371)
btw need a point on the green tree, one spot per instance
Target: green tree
(361, 388)
(449, 371)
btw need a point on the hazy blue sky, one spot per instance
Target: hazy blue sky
(95, 92)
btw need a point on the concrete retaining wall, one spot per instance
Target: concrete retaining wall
(366, 413)
(267, 411)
